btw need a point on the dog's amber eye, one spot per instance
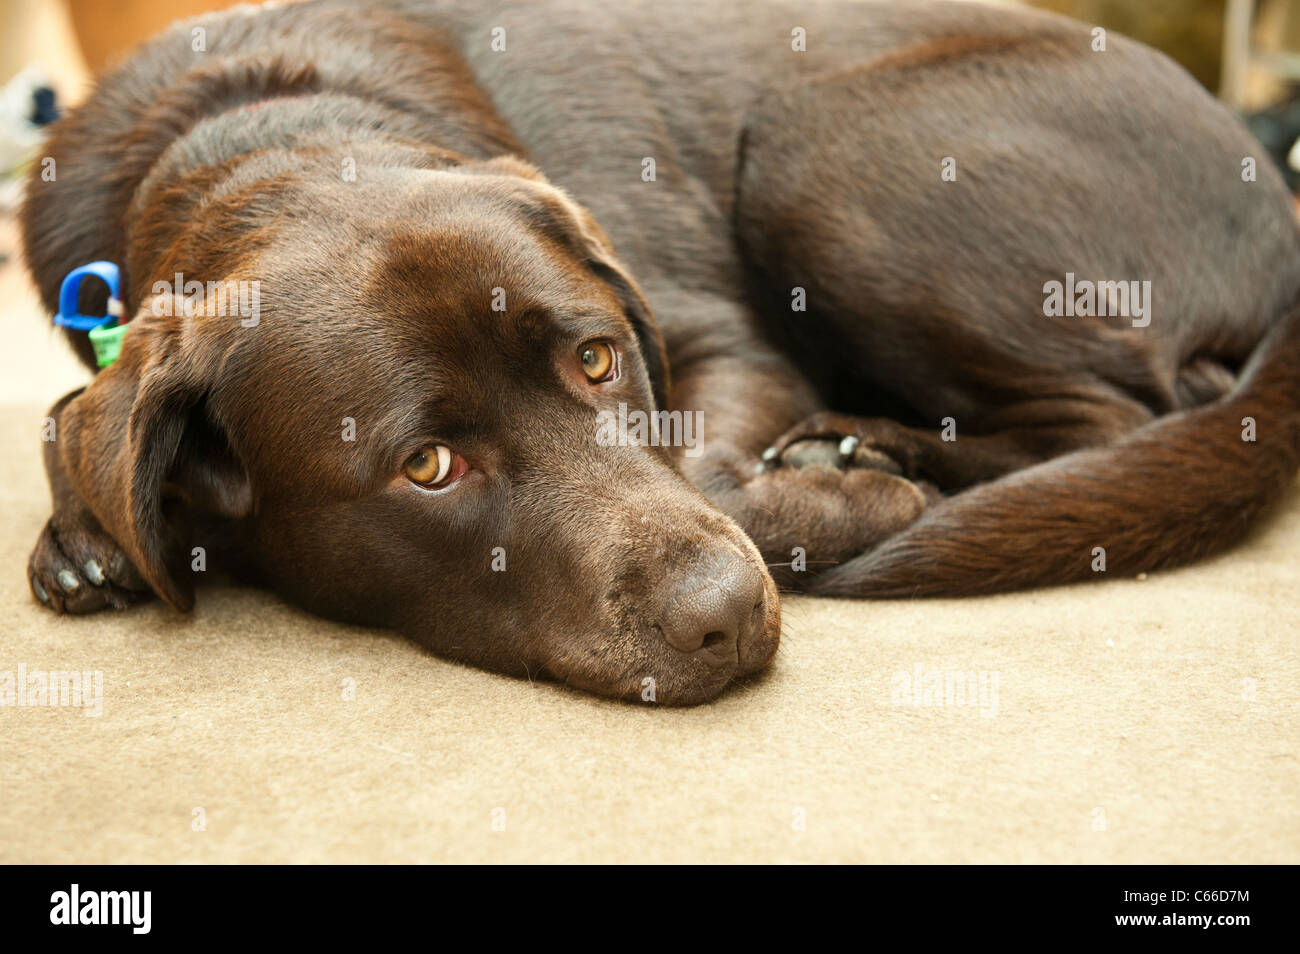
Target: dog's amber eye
(598, 362)
(434, 466)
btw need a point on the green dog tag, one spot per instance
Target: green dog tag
(107, 342)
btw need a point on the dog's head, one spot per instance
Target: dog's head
(427, 401)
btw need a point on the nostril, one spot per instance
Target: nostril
(711, 608)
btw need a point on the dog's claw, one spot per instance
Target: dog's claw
(77, 568)
(768, 460)
(93, 573)
(839, 441)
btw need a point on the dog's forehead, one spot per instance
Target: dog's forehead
(439, 308)
(460, 256)
(478, 274)
(478, 267)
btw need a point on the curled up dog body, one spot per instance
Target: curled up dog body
(561, 351)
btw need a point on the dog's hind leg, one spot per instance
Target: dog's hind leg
(926, 214)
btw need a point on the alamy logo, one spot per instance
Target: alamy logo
(54, 687)
(658, 429)
(102, 907)
(1100, 299)
(210, 300)
(946, 687)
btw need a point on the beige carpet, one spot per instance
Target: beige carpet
(1133, 721)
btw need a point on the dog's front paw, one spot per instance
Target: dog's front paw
(77, 568)
(842, 453)
(808, 519)
(828, 439)
(849, 443)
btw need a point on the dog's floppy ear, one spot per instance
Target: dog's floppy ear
(138, 440)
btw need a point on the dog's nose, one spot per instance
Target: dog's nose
(714, 608)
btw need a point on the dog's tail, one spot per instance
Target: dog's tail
(1184, 486)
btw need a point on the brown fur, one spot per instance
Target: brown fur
(630, 568)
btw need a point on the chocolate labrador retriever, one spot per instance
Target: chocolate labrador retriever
(567, 330)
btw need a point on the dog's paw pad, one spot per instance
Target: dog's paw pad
(869, 458)
(812, 452)
(846, 453)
